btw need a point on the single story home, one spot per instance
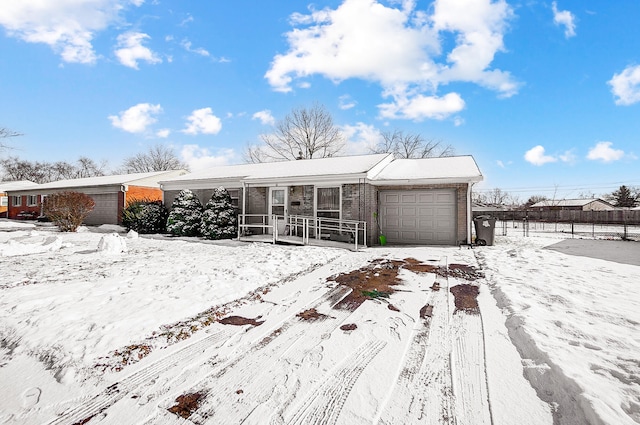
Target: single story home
(110, 193)
(410, 201)
(595, 204)
(6, 187)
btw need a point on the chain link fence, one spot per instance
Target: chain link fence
(526, 227)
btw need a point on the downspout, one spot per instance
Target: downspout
(244, 208)
(469, 189)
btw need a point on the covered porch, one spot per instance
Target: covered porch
(302, 230)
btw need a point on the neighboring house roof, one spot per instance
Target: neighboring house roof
(378, 168)
(16, 185)
(136, 179)
(453, 169)
(298, 170)
(567, 203)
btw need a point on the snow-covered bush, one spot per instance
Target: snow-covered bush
(219, 219)
(67, 210)
(185, 215)
(145, 216)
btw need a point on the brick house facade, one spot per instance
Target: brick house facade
(361, 183)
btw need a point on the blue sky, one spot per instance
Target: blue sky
(544, 94)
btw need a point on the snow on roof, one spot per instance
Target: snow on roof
(360, 164)
(113, 180)
(453, 168)
(567, 202)
(16, 185)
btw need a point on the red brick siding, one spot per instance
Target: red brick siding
(14, 211)
(146, 193)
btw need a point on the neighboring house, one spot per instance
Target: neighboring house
(8, 186)
(480, 208)
(110, 193)
(416, 201)
(596, 204)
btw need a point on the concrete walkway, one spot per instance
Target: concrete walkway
(617, 251)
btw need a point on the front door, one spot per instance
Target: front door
(278, 206)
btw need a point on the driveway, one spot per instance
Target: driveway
(618, 251)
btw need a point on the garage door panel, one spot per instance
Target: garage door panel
(391, 198)
(419, 216)
(408, 198)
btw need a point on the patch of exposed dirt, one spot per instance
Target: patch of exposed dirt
(240, 321)
(466, 298)
(380, 276)
(349, 327)
(311, 315)
(392, 307)
(375, 280)
(186, 404)
(426, 311)
(435, 286)
(417, 267)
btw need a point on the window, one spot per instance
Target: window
(32, 200)
(16, 201)
(4, 201)
(235, 197)
(328, 202)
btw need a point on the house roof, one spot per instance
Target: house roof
(567, 202)
(300, 169)
(142, 179)
(16, 185)
(451, 169)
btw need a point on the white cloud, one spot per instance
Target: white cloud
(130, 50)
(346, 102)
(199, 158)
(67, 26)
(603, 151)
(361, 138)
(186, 44)
(137, 118)
(163, 133)
(420, 107)
(626, 86)
(265, 117)
(399, 48)
(500, 164)
(536, 156)
(568, 156)
(202, 121)
(564, 18)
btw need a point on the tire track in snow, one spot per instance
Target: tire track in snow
(324, 404)
(257, 364)
(468, 370)
(109, 396)
(422, 392)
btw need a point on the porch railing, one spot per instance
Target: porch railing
(303, 227)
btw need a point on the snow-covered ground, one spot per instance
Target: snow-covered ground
(99, 328)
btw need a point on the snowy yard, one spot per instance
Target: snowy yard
(141, 330)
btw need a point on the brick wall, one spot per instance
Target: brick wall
(301, 200)
(14, 211)
(143, 193)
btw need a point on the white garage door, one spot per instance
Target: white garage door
(419, 216)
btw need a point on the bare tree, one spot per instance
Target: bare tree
(411, 145)
(156, 158)
(16, 169)
(495, 196)
(303, 133)
(5, 133)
